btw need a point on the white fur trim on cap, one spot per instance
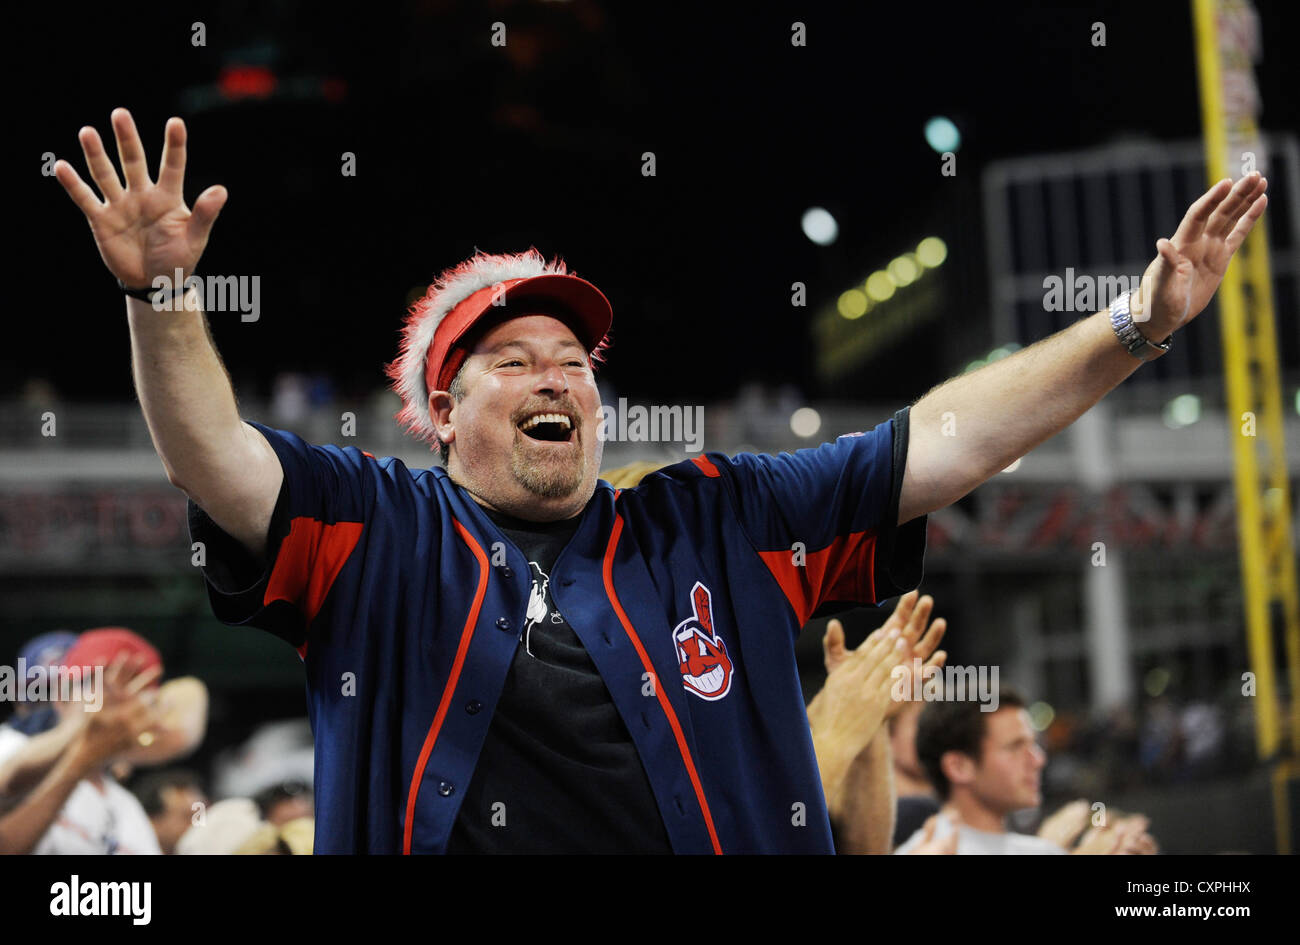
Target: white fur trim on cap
(451, 288)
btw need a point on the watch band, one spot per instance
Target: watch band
(1134, 342)
(150, 294)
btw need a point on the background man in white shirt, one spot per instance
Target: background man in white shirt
(985, 766)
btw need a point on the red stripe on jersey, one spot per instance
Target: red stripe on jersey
(466, 633)
(311, 557)
(706, 466)
(664, 704)
(841, 571)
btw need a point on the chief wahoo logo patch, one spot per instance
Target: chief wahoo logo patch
(702, 656)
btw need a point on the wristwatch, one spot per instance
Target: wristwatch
(1134, 342)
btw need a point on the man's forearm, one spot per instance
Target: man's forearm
(864, 810)
(24, 825)
(183, 387)
(34, 759)
(834, 760)
(189, 404)
(970, 428)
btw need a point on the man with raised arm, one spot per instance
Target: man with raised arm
(510, 655)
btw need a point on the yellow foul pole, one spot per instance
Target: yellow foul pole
(1227, 45)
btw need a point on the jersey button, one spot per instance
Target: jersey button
(473, 706)
(446, 788)
(507, 573)
(503, 623)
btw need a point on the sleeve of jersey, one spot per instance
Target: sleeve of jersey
(318, 520)
(824, 520)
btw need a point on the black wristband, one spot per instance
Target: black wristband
(149, 293)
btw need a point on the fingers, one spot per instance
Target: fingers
(1163, 271)
(85, 199)
(171, 170)
(1246, 223)
(869, 656)
(129, 150)
(903, 609)
(101, 167)
(1238, 200)
(205, 213)
(1168, 253)
(113, 673)
(833, 650)
(143, 679)
(1198, 214)
(925, 646)
(885, 651)
(920, 614)
(1065, 826)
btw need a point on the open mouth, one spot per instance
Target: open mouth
(548, 427)
(709, 682)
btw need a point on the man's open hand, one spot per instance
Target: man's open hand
(1188, 269)
(128, 711)
(857, 697)
(920, 640)
(144, 229)
(1065, 826)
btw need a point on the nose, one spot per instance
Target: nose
(1038, 756)
(551, 379)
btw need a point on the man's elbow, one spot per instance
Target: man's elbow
(174, 477)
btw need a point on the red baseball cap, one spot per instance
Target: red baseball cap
(572, 300)
(99, 647)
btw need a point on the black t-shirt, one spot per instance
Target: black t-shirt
(558, 772)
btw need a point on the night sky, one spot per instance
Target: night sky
(461, 145)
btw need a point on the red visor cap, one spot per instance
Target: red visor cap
(588, 313)
(101, 646)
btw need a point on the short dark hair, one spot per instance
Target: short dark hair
(457, 391)
(150, 787)
(954, 725)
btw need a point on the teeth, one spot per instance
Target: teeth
(545, 418)
(711, 681)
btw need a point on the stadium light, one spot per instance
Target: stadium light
(942, 135)
(880, 286)
(903, 271)
(805, 422)
(852, 304)
(931, 252)
(1041, 715)
(819, 226)
(1182, 411)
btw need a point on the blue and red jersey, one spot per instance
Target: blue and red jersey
(688, 591)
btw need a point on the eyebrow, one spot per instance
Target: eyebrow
(523, 343)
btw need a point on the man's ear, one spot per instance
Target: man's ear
(440, 408)
(958, 767)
